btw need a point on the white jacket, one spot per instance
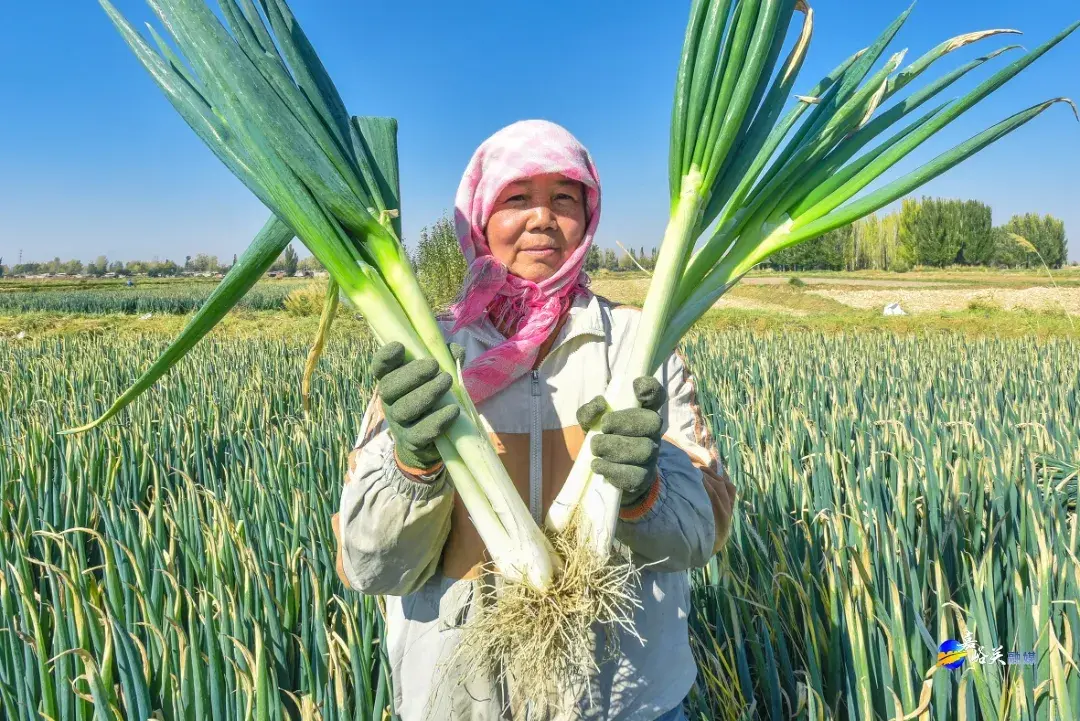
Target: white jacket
(412, 540)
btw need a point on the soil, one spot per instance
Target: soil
(934, 300)
(861, 282)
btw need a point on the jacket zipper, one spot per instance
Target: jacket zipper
(535, 450)
(536, 440)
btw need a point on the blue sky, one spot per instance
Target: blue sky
(94, 160)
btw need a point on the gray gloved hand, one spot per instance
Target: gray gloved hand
(628, 447)
(409, 392)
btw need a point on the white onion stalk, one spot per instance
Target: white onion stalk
(584, 489)
(765, 184)
(254, 91)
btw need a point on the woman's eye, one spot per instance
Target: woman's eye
(515, 198)
(566, 196)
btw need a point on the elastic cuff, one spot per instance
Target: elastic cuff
(420, 475)
(638, 510)
(408, 486)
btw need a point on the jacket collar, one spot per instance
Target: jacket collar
(584, 319)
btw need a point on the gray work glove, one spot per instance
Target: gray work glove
(409, 392)
(628, 447)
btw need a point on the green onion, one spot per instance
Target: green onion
(743, 175)
(258, 96)
(752, 183)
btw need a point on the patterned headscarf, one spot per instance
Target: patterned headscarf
(522, 150)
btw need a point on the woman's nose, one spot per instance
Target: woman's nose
(541, 217)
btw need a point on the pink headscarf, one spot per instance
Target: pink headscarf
(518, 151)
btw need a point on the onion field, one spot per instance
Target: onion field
(895, 492)
(165, 297)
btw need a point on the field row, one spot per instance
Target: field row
(894, 492)
(179, 297)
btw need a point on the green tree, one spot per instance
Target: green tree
(593, 259)
(1009, 252)
(930, 231)
(940, 232)
(611, 261)
(203, 263)
(1046, 234)
(440, 266)
(290, 259)
(98, 267)
(976, 229)
(825, 252)
(626, 262)
(159, 269)
(890, 241)
(874, 243)
(647, 260)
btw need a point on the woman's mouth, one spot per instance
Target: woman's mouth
(541, 252)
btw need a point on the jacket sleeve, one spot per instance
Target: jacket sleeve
(391, 527)
(685, 517)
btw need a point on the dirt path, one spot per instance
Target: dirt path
(914, 296)
(633, 290)
(861, 282)
(734, 302)
(924, 301)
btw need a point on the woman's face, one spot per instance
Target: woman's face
(536, 224)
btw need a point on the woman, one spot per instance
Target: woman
(538, 349)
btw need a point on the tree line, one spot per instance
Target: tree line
(925, 232)
(933, 232)
(626, 260)
(288, 262)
